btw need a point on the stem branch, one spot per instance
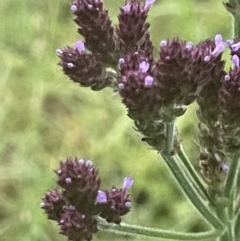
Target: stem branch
(134, 230)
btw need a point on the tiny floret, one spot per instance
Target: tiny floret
(90, 6)
(219, 49)
(144, 66)
(235, 47)
(121, 61)
(128, 204)
(89, 163)
(71, 207)
(148, 3)
(101, 197)
(126, 8)
(218, 39)
(81, 161)
(68, 180)
(163, 43)
(80, 46)
(227, 77)
(235, 60)
(127, 182)
(70, 65)
(206, 58)
(73, 8)
(59, 52)
(189, 45)
(225, 167)
(229, 42)
(148, 81)
(121, 86)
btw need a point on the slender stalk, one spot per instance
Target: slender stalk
(183, 180)
(233, 6)
(237, 226)
(134, 230)
(193, 172)
(191, 180)
(169, 144)
(191, 193)
(231, 178)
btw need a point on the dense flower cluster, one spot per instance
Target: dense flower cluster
(80, 199)
(157, 91)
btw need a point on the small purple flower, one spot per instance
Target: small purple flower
(235, 47)
(80, 46)
(148, 80)
(127, 183)
(218, 39)
(74, 8)
(225, 167)
(148, 3)
(144, 66)
(235, 61)
(101, 197)
(219, 49)
(126, 8)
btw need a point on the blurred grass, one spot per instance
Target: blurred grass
(45, 118)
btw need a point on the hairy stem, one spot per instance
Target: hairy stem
(193, 173)
(134, 230)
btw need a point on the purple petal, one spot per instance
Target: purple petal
(226, 77)
(235, 60)
(225, 167)
(144, 66)
(128, 204)
(219, 49)
(127, 182)
(73, 8)
(148, 3)
(235, 47)
(126, 8)
(148, 80)
(218, 39)
(80, 46)
(101, 197)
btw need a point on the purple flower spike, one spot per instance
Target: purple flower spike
(80, 46)
(148, 81)
(235, 60)
(127, 183)
(143, 67)
(218, 39)
(101, 197)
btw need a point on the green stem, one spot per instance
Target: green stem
(135, 230)
(237, 226)
(193, 173)
(169, 144)
(191, 193)
(231, 177)
(183, 180)
(233, 6)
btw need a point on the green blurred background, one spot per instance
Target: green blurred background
(45, 118)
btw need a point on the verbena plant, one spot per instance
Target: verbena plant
(155, 90)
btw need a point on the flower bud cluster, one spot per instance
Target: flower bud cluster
(88, 61)
(80, 199)
(157, 91)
